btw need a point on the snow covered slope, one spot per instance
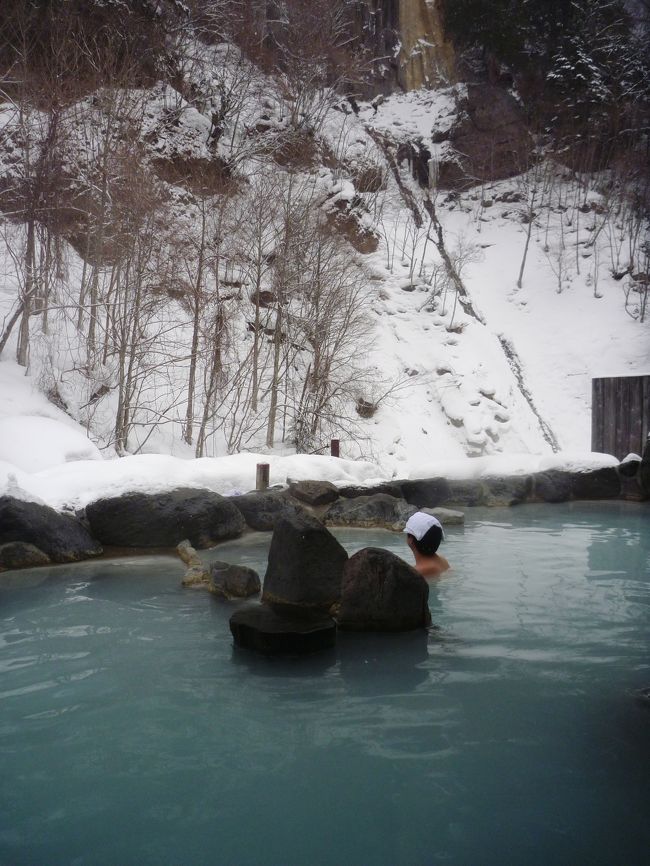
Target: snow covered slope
(475, 368)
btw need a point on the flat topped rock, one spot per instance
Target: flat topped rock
(165, 519)
(269, 631)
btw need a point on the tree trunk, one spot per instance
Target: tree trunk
(22, 350)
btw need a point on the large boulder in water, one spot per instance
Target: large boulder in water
(305, 564)
(45, 535)
(59, 537)
(381, 592)
(233, 581)
(165, 519)
(274, 632)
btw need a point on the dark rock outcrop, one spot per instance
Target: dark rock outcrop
(274, 632)
(380, 510)
(381, 592)
(490, 139)
(59, 537)
(261, 511)
(305, 564)
(165, 519)
(314, 493)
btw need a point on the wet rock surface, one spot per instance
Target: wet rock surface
(165, 519)
(271, 631)
(381, 592)
(60, 537)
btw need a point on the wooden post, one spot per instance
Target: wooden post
(262, 476)
(334, 448)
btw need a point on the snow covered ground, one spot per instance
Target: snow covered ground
(52, 461)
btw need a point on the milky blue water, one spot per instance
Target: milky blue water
(131, 731)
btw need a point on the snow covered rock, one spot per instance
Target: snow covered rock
(305, 564)
(381, 592)
(165, 519)
(380, 510)
(59, 537)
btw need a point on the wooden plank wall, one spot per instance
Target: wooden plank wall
(620, 414)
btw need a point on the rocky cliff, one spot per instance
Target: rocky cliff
(426, 58)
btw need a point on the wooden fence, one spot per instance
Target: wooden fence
(620, 414)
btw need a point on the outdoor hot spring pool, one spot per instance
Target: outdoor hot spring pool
(133, 734)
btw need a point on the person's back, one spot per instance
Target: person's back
(423, 535)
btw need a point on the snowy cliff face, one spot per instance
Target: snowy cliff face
(240, 261)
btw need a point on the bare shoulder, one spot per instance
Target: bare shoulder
(433, 567)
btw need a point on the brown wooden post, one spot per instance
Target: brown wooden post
(334, 448)
(262, 476)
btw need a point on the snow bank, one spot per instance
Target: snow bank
(33, 443)
(74, 485)
(512, 464)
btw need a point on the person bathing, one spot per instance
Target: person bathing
(423, 535)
